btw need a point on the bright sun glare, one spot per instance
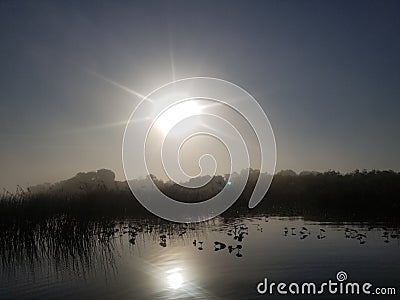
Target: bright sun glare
(176, 113)
(175, 279)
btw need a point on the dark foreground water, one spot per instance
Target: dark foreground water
(143, 260)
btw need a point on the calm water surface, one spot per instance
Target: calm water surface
(137, 260)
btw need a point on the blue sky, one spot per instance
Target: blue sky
(327, 73)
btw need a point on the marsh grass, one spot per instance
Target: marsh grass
(80, 229)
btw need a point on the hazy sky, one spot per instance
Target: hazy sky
(326, 73)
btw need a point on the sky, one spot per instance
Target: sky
(327, 74)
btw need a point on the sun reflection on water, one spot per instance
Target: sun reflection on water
(175, 278)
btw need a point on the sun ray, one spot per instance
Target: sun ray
(126, 89)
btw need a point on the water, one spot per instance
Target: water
(161, 261)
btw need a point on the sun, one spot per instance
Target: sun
(176, 113)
